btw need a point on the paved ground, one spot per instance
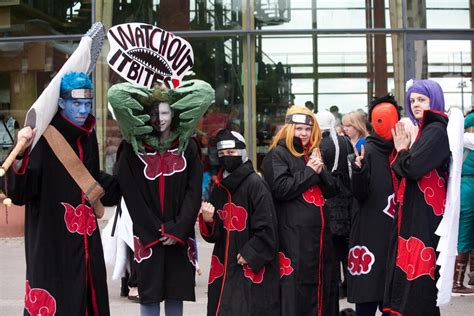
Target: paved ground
(12, 280)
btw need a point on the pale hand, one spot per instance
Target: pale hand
(401, 139)
(359, 157)
(29, 134)
(166, 241)
(241, 260)
(316, 164)
(207, 211)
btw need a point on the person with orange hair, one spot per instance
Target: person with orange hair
(299, 183)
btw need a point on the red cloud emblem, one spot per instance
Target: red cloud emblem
(285, 265)
(233, 216)
(360, 260)
(171, 162)
(254, 277)
(140, 253)
(216, 270)
(39, 302)
(434, 191)
(314, 195)
(415, 259)
(79, 220)
(391, 207)
(192, 254)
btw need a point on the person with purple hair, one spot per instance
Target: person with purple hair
(422, 172)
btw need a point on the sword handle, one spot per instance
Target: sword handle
(12, 156)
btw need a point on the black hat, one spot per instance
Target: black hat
(227, 139)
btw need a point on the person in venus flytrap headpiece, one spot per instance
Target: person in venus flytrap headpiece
(160, 175)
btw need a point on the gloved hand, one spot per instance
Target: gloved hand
(193, 99)
(167, 241)
(127, 109)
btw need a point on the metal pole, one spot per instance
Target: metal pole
(462, 88)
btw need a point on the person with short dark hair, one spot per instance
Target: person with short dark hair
(335, 111)
(309, 105)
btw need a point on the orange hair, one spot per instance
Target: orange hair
(287, 132)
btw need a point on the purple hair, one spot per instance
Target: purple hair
(428, 88)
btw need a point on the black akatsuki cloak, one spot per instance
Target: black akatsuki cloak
(412, 272)
(163, 195)
(245, 223)
(65, 270)
(306, 252)
(374, 188)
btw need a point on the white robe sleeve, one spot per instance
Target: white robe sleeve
(448, 228)
(469, 141)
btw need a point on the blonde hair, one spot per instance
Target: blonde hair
(358, 120)
(287, 132)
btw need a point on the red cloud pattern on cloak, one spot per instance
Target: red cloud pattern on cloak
(192, 254)
(171, 162)
(391, 207)
(434, 191)
(39, 302)
(233, 216)
(216, 270)
(79, 220)
(140, 253)
(256, 278)
(360, 260)
(285, 265)
(415, 259)
(314, 196)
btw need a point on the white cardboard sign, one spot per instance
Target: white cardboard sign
(144, 54)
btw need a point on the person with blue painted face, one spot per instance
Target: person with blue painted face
(65, 270)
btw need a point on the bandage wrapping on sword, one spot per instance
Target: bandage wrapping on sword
(45, 107)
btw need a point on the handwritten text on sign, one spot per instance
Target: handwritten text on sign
(144, 54)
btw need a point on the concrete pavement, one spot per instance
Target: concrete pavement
(12, 281)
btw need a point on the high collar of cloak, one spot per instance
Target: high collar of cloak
(71, 131)
(383, 145)
(233, 180)
(431, 116)
(297, 144)
(170, 146)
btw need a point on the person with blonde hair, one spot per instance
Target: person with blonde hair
(355, 126)
(299, 183)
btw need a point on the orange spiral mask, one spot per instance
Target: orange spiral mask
(384, 118)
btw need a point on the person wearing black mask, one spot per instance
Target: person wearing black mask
(240, 219)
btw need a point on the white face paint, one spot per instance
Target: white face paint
(161, 117)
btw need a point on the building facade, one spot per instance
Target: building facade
(260, 55)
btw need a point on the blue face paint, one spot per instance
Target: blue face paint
(76, 110)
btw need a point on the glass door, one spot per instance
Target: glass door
(446, 59)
